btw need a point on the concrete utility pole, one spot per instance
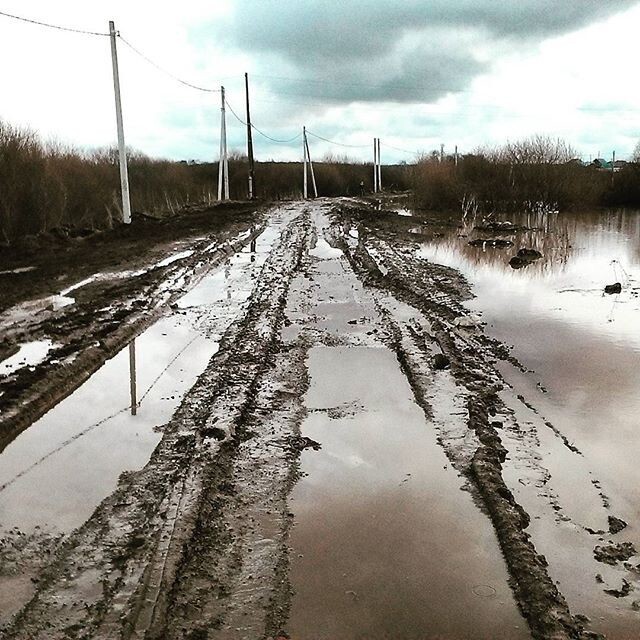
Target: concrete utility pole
(122, 152)
(223, 163)
(375, 165)
(379, 168)
(304, 155)
(455, 156)
(313, 175)
(252, 176)
(441, 153)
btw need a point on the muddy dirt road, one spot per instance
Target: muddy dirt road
(324, 445)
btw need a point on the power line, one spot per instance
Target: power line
(53, 26)
(241, 121)
(163, 70)
(340, 144)
(413, 153)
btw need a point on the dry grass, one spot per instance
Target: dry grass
(48, 186)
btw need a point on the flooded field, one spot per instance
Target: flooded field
(581, 350)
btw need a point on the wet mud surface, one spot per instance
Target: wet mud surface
(328, 443)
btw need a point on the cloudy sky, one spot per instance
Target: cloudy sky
(416, 73)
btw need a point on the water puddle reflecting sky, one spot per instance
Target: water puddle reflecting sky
(582, 345)
(58, 470)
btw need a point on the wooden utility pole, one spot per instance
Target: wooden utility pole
(223, 163)
(252, 176)
(122, 152)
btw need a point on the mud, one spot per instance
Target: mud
(309, 482)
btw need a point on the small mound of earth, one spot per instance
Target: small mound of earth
(614, 553)
(524, 258)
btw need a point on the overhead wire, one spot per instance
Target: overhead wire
(389, 146)
(165, 71)
(339, 144)
(243, 122)
(53, 26)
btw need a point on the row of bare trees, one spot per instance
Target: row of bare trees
(538, 173)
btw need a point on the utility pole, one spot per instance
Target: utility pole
(441, 153)
(455, 156)
(304, 152)
(379, 168)
(375, 165)
(122, 151)
(223, 163)
(613, 166)
(252, 176)
(132, 377)
(313, 176)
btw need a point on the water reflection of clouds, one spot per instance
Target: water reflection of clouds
(581, 254)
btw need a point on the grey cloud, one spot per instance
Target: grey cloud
(408, 51)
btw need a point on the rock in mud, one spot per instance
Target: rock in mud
(623, 592)
(616, 287)
(616, 525)
(499, 243)
(614, 553)
(524, 257)
(440, 362)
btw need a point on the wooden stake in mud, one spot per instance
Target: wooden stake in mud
(252, 176)
(122, 152)
(132, 377)
(223, 162)
(304, 155)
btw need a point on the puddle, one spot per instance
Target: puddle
(583, 348)
(29, 355)
(7, 272)
(385, 544)
(384, 540)
(174, 258)
(56, 472)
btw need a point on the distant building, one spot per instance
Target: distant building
(607, 165)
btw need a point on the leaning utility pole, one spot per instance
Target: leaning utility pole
(122, 151)
(223, 163)
(304, 155)
(252, 176)
(313, 175)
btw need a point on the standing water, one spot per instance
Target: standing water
(581, 349)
